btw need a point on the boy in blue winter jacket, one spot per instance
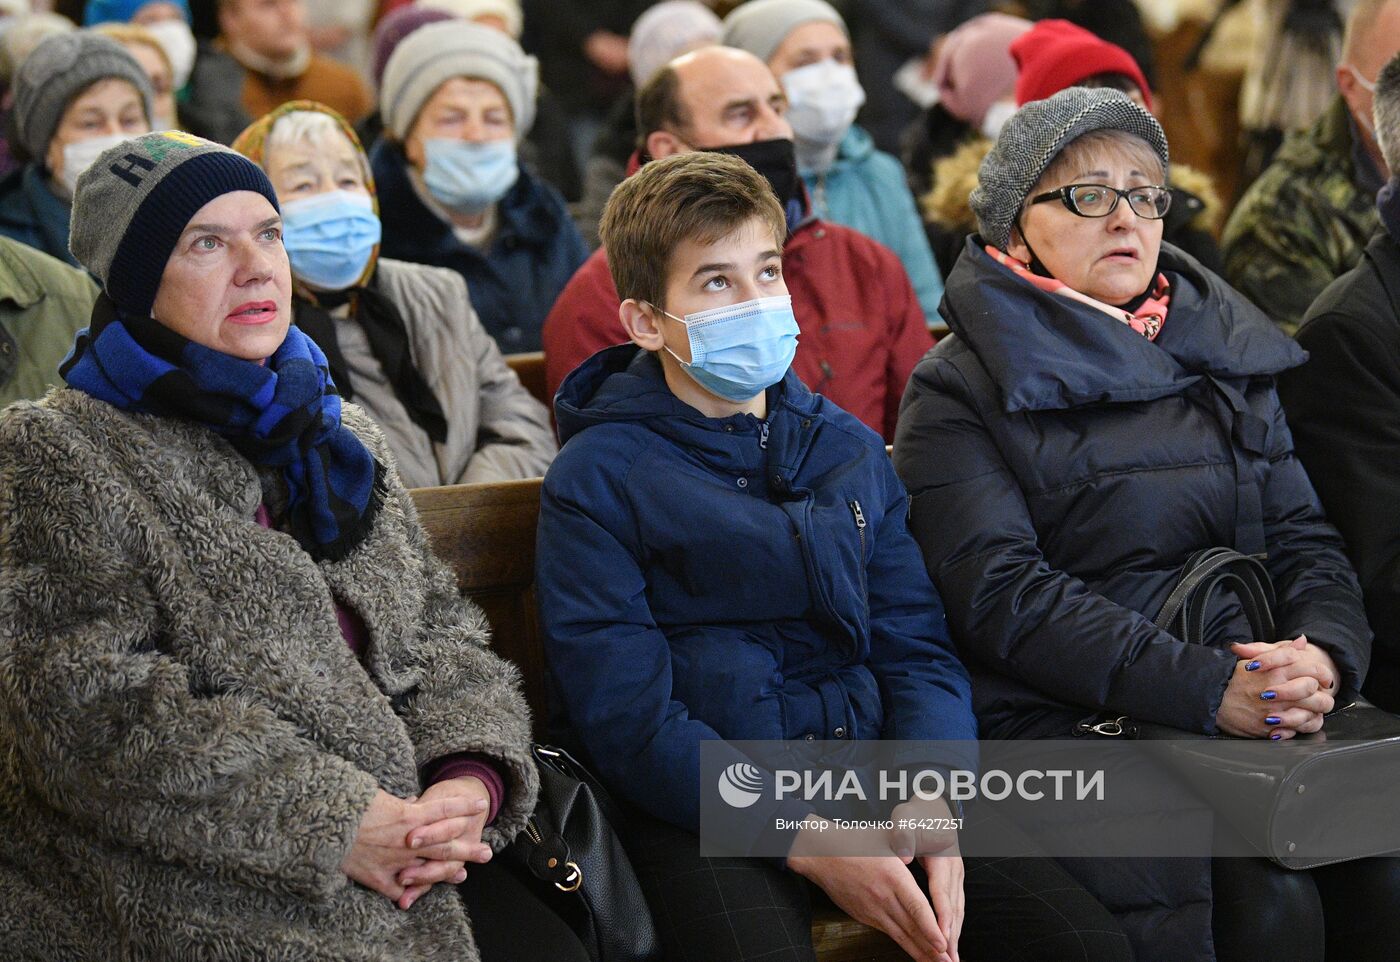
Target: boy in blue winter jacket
(724, 555)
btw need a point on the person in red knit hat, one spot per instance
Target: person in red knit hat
(1052, 56)
(1055, 54)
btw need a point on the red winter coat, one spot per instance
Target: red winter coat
(862, 328)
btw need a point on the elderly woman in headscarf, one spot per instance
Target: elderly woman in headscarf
(245, 712)
(402, 340)
(456, 99)
(1104, 409)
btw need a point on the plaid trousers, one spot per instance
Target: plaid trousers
(750, 910)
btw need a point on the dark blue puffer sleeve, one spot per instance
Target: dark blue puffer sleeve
(610, 662)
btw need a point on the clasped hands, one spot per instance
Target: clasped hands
(1278, 690)
(878, 889)
(406, 846)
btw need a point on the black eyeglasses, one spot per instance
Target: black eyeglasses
(1100, 200)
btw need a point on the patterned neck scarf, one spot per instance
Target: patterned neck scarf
(1147, 319)
(284, 414)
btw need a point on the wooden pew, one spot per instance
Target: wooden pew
(530, 369)
(486, 533)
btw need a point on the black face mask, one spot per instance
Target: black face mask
(776, 161)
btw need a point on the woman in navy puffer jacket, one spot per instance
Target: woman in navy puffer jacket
(1104, 409)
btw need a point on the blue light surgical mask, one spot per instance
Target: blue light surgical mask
(330, 238)
(738, 350)
(466, 177)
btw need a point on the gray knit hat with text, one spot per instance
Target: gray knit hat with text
(1035, 135)
(432, 55)
(137, 198)
(60, 69)
(759, 26)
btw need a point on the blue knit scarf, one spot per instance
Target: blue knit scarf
(284, 414)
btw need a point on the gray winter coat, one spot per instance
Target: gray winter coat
(496, 431)
(187, 744)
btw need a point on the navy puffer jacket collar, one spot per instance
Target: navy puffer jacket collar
(1046, 352)
(625, 383)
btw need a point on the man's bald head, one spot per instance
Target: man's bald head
(711, 97)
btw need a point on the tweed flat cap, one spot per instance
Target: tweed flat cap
(1035, 135)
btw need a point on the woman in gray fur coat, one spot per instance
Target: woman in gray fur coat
(244, 713)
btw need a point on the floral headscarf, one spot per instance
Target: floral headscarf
(252, 143)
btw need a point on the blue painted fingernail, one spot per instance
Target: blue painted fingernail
(1252, 666)
(1269, 695)
(1273, 720)
(1276, 736)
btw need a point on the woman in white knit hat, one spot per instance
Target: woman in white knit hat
(807, 46)
(456, 99)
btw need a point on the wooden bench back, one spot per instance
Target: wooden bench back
(530, 369)
(486, 534)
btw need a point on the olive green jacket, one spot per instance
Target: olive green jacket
(43, 304)
(1304, 222)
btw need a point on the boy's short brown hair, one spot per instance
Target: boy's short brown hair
(699, 196)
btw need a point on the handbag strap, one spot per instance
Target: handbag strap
(1249, 437)
(1184, 612)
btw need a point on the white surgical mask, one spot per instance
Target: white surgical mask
(823, 99)
(79, 156)
(179, 45)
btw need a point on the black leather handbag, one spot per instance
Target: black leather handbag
(1312, 800)
(578, 865)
